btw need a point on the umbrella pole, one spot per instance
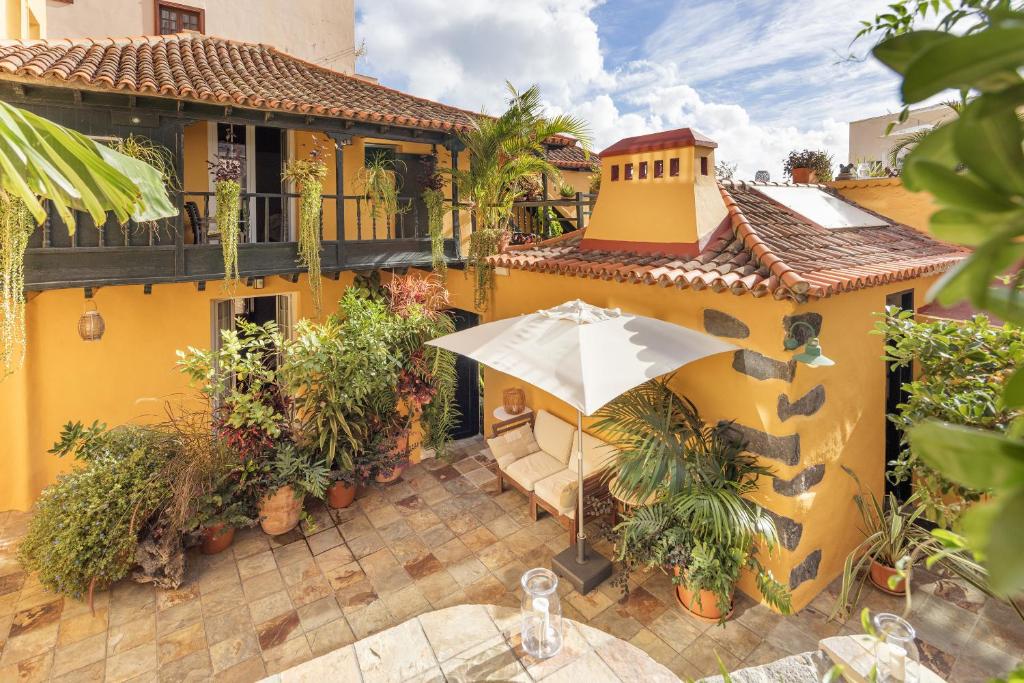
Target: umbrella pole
(581, 536)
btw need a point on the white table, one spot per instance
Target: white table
(502, 415)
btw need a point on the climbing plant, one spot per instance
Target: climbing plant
(309, 174)
(228, 192)
(16, 226)
(433, 197)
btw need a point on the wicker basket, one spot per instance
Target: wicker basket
(514, 401)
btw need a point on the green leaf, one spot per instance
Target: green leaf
(990, 144)
(937, 147)
(958, 190)
(1013, 390)
(1004, 552)
(972, 457)
(962, 62)
(899, 51)
(969, 228)
(975, 272)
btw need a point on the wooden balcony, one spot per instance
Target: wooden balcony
(188, 249)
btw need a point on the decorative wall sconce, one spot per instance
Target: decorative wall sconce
(811, 355)
(258, 283)
(90, 324)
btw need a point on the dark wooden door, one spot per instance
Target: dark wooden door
(467, 389)
(895, 378)
(412, 223)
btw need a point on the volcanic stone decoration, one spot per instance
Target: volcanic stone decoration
(762, 367)
(724, 325)
(789, 530)
(808, 404)
(801, 483)
(806, 570)
(801, 333)
(785, 449)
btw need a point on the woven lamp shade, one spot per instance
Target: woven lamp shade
(91, 326)
(513, 401)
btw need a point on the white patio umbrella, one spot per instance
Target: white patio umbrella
(584, 355)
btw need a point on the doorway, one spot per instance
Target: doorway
(254, 309)
(895, 378)
(467, 387)
(261, 153)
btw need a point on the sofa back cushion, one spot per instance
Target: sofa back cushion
(554, 436)
(513, 444)
(596, 454)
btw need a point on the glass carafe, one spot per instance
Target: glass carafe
(541, 624)
(896, 655)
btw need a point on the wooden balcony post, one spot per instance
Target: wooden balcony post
(579, 210)
(179, 200)
(454, 146)
(340, 141)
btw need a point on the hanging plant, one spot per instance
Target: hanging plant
(309, 174)
(16, 225)
(483, 244)
(226, 172)
(379, 182)
(433, 197)
(152, 154)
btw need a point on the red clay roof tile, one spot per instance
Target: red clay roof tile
(771, 250)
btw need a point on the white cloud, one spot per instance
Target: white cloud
(777, 57)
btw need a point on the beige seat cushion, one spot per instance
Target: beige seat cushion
(559, 491)
(529, 470)
(513, 445)
(596, 454)
(553, 436)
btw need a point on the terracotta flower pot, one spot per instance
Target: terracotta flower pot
(805, 175)
(217, 538)
(880, 574)
(707, 608)
(340, 495)
(395, 475)
(280, 511)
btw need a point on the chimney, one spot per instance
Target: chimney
(658, 195)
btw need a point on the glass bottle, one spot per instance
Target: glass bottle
(541, 622)
(896, 654)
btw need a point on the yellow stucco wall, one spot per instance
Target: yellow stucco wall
(126, 376)
(888, 197)
(847, 430)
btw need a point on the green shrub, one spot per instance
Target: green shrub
(85, 527)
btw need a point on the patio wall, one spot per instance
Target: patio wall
(888, 197)
(126, 376)
(804, 438)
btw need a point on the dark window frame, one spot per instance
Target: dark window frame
(628, 171)
(703, 165)
(159, 5)
(615, 172)
(673, 167)
(659, 168)
(642, 173)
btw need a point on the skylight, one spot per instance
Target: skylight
(825, 209)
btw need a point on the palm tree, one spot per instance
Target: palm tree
(503, 151)
(909, 141)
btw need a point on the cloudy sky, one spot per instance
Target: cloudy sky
(761, 77)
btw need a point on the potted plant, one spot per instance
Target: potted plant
(308, 174)
(566, 191)
(808, 166)
(218, 515)
(226, 172)
(891, 536)
(291, 475)
(701, 527)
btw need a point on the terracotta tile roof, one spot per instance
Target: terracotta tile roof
(572, 158)
(769, 250)
(191, 66)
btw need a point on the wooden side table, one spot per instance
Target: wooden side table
(506, 421)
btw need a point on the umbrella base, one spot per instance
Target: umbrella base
(583, 577)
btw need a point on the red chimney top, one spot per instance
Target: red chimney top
(653, 142)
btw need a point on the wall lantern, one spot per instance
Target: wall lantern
(811, 355)
(258, 283)
(91, 325)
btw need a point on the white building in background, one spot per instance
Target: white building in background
(319, 31)
(869, 143)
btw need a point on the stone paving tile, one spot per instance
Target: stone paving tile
(441, 536)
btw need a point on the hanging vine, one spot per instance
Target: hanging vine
(432, 183)
(378, 179)
(226, 172)
(483, 244)
(16, 225)
(309, 174)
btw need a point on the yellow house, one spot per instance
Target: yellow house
(754, 264)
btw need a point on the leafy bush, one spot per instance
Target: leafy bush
(86, 525)
(818, 161)
(963, 367)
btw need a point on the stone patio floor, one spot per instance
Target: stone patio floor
(440, 537)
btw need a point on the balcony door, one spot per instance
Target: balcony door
(261, 153)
